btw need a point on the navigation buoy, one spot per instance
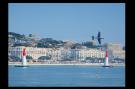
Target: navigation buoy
(24, 61)
(106, 62)
(106, 58)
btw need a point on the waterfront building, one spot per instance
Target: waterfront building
(115, 50)
(57, 53)
(93, 42)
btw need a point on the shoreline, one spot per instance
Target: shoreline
(84, 64)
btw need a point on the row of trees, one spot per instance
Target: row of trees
(95, 60)
(15, 58)
(88, 59)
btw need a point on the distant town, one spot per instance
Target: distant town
(49, 50)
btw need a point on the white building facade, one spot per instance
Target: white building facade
(116, 50)
(82, 54)
(57, 54)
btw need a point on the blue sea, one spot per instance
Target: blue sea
(66, 76)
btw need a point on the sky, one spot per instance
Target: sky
(69, 21)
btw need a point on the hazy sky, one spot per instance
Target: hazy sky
(69, 21)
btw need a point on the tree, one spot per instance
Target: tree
(44, 58)
(30, 35)
(14, 58)
(29, 57)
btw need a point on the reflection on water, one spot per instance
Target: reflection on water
(66, 76)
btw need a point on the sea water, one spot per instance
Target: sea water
(66, 76)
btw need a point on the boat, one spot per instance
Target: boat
(21, 66)
(107, 66)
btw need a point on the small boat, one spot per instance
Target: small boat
(107, 66)
(21, 66)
